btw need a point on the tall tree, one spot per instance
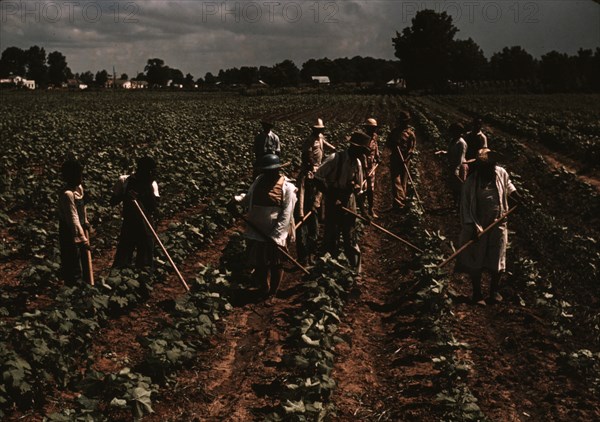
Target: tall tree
(467, 61)
(424, 49)
(210, 79)
(513, 63)
(13, 62)
(101, 78)
(558, 71)
(58, 71)
(36, 64)
(157, 74)
(124, 77)
(87, 78)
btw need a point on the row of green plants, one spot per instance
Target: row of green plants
(47, 347)
(431, 307)
(561, 304)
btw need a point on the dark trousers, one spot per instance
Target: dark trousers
(339, 222)
(308, 232)
(138, 239)
(74, 266)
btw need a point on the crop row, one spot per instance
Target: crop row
(545, 287)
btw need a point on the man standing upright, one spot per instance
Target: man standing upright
(135, 235)
(370, 161)
(72, 225)
(341, 178)
(401, 143)
(309, 198)
(266, 142)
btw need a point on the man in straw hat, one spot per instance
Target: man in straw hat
(341, 178)
(370, 160)
(270, 203)
(484, 198)
(400, 140)
(266, 142)
(309, 198)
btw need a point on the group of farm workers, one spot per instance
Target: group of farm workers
(330, 188)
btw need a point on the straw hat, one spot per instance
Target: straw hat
(319, 124)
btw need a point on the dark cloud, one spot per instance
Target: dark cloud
(201, 36)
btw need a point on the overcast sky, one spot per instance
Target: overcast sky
(203, 36)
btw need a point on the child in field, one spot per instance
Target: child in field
(73, 223)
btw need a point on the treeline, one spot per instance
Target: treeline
(342, 70)
(429, 57)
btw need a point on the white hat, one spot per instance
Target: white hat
(319, 124)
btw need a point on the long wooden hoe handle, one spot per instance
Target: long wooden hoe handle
(303, 220)
(410, 178)
(89, 259)
(369, 175)
(377, 226)
(281, 248)
(470, 242)
(187, 288)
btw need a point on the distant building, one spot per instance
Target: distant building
(397, 83)
(18, 81)
(75, 85)
(321, 80)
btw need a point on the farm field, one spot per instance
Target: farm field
(398, 342)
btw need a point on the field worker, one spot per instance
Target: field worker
(475, 139)
(309, 197)
(72, 226)
(341, 178)
(370, 160)
(457, 167)
(402, 138)
(484, 199)
(270, 203)
(266, 142)
(135, 235)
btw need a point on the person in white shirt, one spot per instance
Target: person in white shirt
(270, 203)
(72, 226)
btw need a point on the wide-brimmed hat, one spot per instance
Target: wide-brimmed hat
(371, 122)
(319, 124)
(268, 162)
(403, 116)
(360, 139)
